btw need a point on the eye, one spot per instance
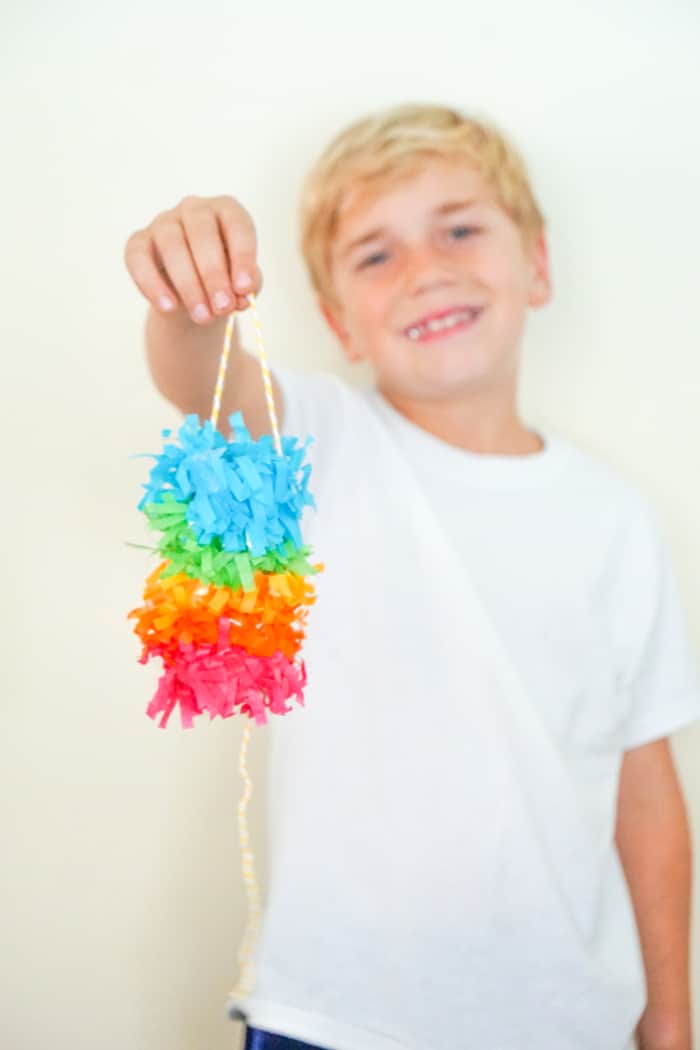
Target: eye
(372, 260)
(460, 232)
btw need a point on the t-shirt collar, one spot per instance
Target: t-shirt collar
(489, 469)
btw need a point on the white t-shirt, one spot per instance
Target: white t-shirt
(491, 632)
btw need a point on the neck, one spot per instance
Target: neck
(484, 422)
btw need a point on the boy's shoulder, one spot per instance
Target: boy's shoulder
(613, 502)
(596, 473)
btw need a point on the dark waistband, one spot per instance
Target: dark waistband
(259, 1039)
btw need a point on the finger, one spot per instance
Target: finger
(208, 253)
(171, 245)
(239, 236)
(142, 264)
(243, 301)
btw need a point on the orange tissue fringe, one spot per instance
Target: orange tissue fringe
(181, 609)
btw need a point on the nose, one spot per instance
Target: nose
(426, 268)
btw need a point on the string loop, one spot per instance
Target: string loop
(264, 368)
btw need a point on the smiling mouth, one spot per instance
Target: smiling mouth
(439, 327)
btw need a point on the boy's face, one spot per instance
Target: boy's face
(433, 284)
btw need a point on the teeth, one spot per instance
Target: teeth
(436, 325)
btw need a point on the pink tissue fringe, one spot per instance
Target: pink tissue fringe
(223, 680)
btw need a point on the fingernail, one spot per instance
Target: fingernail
(200, 312)
(243, 280)
(165, 304)
(221, 301)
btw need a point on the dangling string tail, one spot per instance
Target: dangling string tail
(246, 977)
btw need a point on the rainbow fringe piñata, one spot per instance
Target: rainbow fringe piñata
(225, 611)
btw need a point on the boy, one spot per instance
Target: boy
(479, 799)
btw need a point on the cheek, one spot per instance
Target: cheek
(505, 275)
(369, 303)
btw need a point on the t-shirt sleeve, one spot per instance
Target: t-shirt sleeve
(310, 402)
(657, 661)
(297, 401)
(322, 407)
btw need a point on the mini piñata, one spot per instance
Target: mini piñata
(225, 611)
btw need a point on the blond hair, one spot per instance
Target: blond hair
(384, 147)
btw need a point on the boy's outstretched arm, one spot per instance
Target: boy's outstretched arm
(653, 840)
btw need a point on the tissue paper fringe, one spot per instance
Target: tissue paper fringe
(269, 617)
(226, 609)
(211, 563)
(241, 492)
(224, 680)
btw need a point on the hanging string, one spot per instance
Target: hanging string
(246, 976)
(246, 969)
(264, 368)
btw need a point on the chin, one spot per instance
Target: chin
(442, 376)
(449, 382)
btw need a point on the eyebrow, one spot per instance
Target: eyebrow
(442, 209)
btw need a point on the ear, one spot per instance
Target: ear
(332, 314)
(333, 319)
(541, 286)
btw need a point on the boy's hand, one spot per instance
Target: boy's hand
(197, 263)
(198, 257)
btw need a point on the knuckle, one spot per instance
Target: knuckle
(227, 205)
(237, 219)
(190, 203)
(162, 216)
(168, 231)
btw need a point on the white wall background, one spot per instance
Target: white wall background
(122, 898)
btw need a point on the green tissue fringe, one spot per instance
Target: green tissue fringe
(211, 563)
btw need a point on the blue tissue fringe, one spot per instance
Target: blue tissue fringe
(240, 491)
